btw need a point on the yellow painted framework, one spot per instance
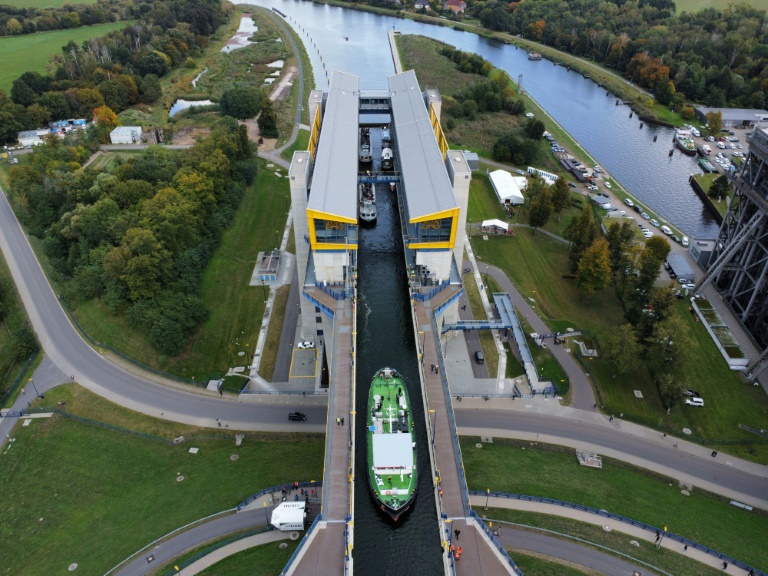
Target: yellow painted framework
(453, 213)
(312, 214)
(314, 134)
(442, 142)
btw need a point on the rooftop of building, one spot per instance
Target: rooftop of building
(334, 182)
(425, 181)
(732, 114)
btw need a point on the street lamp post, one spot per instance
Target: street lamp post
(35, 387)
(487, 496)
(264, 290)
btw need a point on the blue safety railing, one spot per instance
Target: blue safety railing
(335, 294)
(619, 518)
(432, 293)
(319, 304)
(451, 419)
(496, 543)
(299, 548)
(273, 489)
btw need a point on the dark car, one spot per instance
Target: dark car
(691, 393)
(297, 417)
(637, 208)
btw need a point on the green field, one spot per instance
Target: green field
(536, 265)
(264, 560)
(31, 52)
(536, 566)
(62, 479)
(554, 472)
(697, 5)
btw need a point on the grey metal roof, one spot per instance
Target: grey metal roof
(334, 183)
(425, 180)
(733, 114)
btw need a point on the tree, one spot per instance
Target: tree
(581, 232)
(13, 26)
(534, 129)
(561, 196)
(106, 121)
(150, 89)
(241, 103)
(594, 272)
(540, 209)
(622, 349)
(715, 122)
(268, 119)
(670, 389)
(665, 348)
(720, 188)
(620, 235)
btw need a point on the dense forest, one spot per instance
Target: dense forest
(138, 237)
(713, 57)
(118, 70)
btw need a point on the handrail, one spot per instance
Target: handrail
(296, 552)
(495, 542)
(625, 520)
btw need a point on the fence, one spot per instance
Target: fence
(19, 379)
(273, 489)
(335, 294)
(636, 523)
(297, 552)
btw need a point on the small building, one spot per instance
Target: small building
(472, 159)
(421, 4)
(126, 135)
(456, 6)
(679, 265)
(508, 187)
(549, 178)
(735, 116)
(601, 200)
(268, 265)
(33, 137)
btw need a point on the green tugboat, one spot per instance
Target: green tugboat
(391, 444)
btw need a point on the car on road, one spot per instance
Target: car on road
(518, 171)
(297, 417)
(306, 345)
(629, 202)
(694, 401)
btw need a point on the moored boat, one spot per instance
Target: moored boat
(367, 205)
(534, 56)
(685, 142)
(391, 444)
(365, 145)
(386, 160)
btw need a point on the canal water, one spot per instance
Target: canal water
(356, 42)
(385, 338)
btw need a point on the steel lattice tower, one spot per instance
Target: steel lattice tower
(740, 260)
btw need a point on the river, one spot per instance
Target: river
(605, 130)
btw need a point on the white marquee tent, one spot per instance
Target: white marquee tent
(508, 188)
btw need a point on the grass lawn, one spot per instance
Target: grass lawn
(483, 203)
(301, 143)
(667, 560)
(264, 560)
(107, 161)
(236, 308)
(705, 181)
(698, 5)
(62, 478)
(533, 565)
(552, 471)
(272, 343)
(536, 265)
(30, 52)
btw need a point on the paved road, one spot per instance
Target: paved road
(630, 443)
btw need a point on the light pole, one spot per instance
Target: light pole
(487, 496)
(432, 425)
(264, 290)
(35, 387)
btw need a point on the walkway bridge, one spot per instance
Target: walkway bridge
(378, 177)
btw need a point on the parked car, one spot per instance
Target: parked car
(518, 171)
(684, 241)
(694, 401)
(297, 417)
(645, 215)
(667, 230)
(721, 145)
(629, 202)
(654, 222)
(691, 393)
(710, 138)
(637, 208)
(306, 345)
(676, 238)
(688, 285)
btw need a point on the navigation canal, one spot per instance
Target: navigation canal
(605, 130)
(385, 338)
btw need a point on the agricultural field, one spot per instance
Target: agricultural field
(698, 5)
(31, 52)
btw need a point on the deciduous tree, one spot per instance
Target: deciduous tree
(594, 271)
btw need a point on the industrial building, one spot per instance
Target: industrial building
(126, 135)
(739, 263)
(432, 186)
(735, 116)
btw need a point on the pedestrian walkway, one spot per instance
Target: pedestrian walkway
(479, 557)
(225, 551)
(325, 551)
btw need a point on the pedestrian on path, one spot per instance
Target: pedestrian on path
(456, 533)
(338, 420)
(342, 421)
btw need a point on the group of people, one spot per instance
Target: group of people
(456, 552)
